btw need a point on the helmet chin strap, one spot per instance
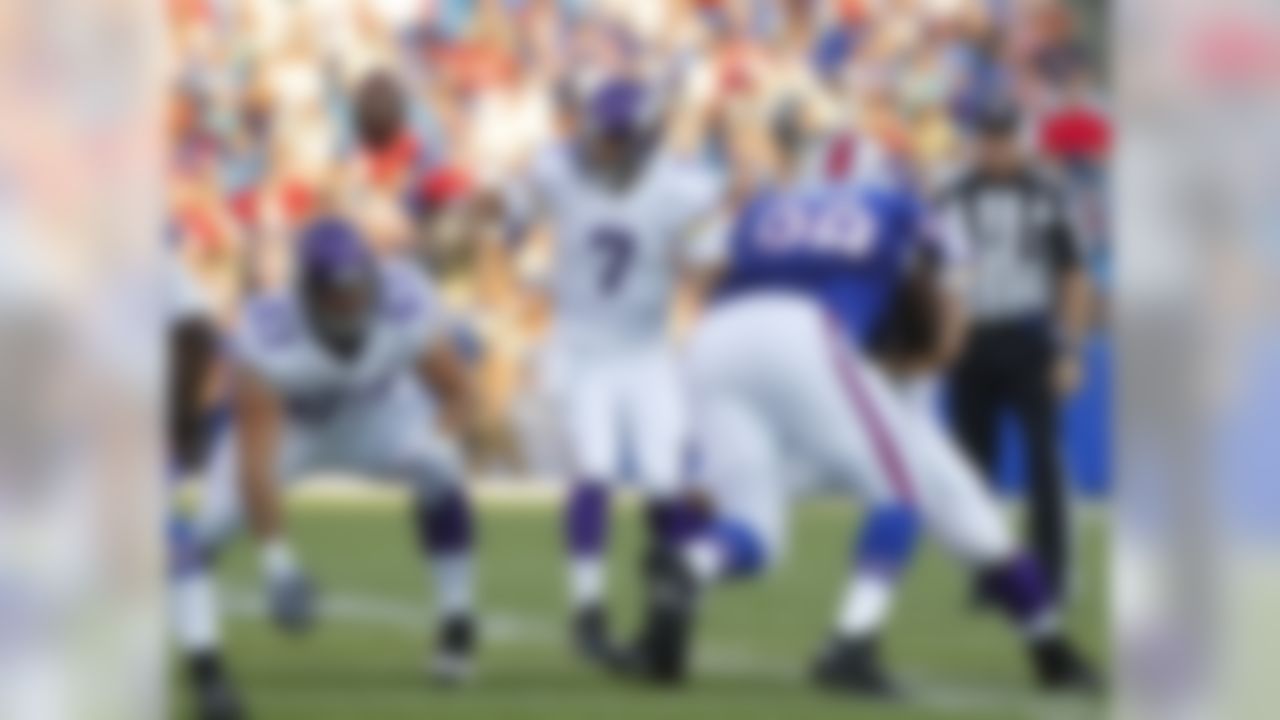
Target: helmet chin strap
(345, 343)
(345, 347)
(343, 329)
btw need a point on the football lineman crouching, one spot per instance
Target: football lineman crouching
(351, 369)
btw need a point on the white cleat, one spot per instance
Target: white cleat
(451, 669)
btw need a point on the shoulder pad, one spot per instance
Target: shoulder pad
(406, 292)
(271, 321)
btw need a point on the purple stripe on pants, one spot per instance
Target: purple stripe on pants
(586, 518)
(883, 442)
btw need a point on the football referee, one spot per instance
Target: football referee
(1029, 299)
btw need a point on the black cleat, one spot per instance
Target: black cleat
(215, 696)
(1060, 667)
(219, 702)
(854, 667)
(455, 648)
(661, 653)
(980, 600)
(591, 640)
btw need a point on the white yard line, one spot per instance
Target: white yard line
(346, 491)
(532, 491)
(506, 628)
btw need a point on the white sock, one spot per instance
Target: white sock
(1043, 624)
(193, 604)
(706, 560)
(586, 581)
(454, 581)
(277, 559)
(867, 600)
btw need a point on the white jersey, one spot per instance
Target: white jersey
(617, 252)
(274, 340)
(369, 417)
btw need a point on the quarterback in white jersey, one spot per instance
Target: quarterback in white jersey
(332, 375)
(622, 213)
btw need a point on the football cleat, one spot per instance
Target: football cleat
(854, 667)
(215, 697)
(219, 702)
(590, 637)
(661, 653)
(1060, 667)
(452, 663)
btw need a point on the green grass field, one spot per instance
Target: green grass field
(367, 658)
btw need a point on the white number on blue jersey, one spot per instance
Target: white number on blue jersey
(843, 229)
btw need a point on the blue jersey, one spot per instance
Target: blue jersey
(847, 248)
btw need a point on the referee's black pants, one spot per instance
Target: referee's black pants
(1007, 367)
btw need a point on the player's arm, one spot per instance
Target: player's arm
(952, 315)
(704, 258)
(258, 421)
(696, 287)
(925, 328)
(929, 319)
(519, 205)
(521, 200)
(444, 371)
(1074, 300)
(753, 154)
(701, 199)
(946, 247)
(701, 258)
(701, 281)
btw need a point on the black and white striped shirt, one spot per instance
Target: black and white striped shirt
(1018, 237)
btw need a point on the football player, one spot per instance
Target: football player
(789, 363)
(351, 368)
(622, 210)
(193, 607)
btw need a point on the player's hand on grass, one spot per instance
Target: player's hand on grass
(293, 601)
(291, 595)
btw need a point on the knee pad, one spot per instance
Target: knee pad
(445, 523)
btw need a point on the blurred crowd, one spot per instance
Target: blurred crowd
(405, 112)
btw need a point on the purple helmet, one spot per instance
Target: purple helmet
(338, 283)
(617, 110)
(620, 128)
